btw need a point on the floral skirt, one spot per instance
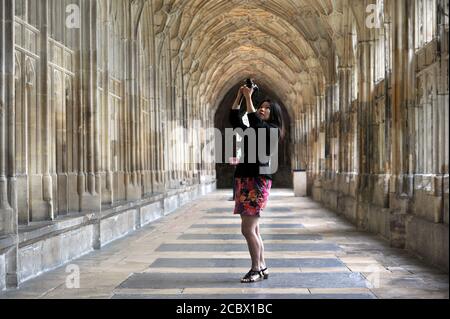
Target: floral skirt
(251, 195)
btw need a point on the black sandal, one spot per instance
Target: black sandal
(265, 273)
(252, 276)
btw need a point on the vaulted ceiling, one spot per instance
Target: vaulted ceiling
(289, 45)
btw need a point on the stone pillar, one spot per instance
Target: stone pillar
(158, 178)
(344, 104)
(403, 74)
(44, 210)
(90, 199)
(443, 102)
(153, 105)
(364, 113)
(164, 121)
(320, 134)
(295, 129)
(6, 105)
(134, 191)
(153, 127)
(158, 119)
(331, 99)
(365, 48)
(8, 207)
(108, 198)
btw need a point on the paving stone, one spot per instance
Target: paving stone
(233, 262)
(292, 217)
(227, 280)
(219, 210)
(171, 254)
(239, 225)
(278, 209)
(239, 236)
(226, 247)
(410, 293)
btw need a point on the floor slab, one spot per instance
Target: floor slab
(198, 252)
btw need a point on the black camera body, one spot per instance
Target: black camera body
(251, 85)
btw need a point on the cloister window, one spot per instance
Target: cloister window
(28, 11)
(59, 12)
(425, 22)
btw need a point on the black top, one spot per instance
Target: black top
(245, 168)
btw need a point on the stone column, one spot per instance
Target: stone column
(402, 73)
(141, 124)
(141, 129)
(364, 109)
(46, 211)
(158, 117)
(6, 105)
(344, 103)
(157, 121)
(90, 200)
(443, 102)
(8, 207)
(109, 196)
(320, 134)
(132, 95)
(162, 123)
(153, 126)
(330, 96)
(295, 129)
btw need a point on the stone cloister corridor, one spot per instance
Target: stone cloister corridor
(109, 113)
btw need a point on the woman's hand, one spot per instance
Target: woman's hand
(239, 95)
(238, 101)
(248, 92)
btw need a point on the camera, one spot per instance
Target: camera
(251, 85)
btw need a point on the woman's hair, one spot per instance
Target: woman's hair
(276, 116)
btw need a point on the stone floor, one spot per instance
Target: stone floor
(198, 252)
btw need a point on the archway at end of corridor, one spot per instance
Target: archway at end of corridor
(283, 177)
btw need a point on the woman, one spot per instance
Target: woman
(251, 187)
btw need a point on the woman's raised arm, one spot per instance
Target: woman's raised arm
(235, 117)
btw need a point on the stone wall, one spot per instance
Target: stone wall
(45, 248)
(389, 173)
(92, 119)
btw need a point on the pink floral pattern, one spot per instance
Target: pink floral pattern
(252, 194)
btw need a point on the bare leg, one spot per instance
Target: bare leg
(248, 227)
(261, 258)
